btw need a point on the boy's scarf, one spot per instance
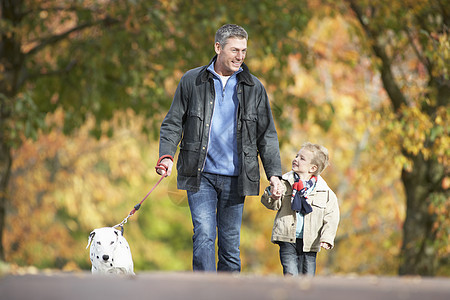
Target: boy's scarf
(300, 191)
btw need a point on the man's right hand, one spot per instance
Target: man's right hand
(167, 165)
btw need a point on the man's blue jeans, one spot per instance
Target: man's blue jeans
(295, 261)
(216, 207)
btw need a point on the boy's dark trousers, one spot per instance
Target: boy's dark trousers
(295, 261)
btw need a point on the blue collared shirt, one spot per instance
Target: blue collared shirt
(222, 156)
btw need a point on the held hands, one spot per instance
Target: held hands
(164, 165)
(276, 187)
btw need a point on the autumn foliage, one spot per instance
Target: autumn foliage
(83, 141)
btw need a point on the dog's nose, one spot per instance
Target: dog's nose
(105, 257)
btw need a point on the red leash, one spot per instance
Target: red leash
(159, 166)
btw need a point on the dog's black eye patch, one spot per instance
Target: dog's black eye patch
(98, 243)
(112, 242)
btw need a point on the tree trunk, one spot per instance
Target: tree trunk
(11, 62)
(419, 250)
(418, 253)
(5, 171)
(424, 181)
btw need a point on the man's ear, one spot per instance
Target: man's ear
(217, 47)
(313, 169)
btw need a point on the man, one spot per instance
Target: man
(221, 115)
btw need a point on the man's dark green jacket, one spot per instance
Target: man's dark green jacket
(187, 124)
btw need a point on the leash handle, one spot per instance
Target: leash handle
(160, 166)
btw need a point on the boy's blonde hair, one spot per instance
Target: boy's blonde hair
(320, 156)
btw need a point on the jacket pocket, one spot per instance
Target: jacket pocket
(187, 163)
(250, 125)
(319, 200)
(318, 204)
(193, 126)
(284, 227)
(251, 164)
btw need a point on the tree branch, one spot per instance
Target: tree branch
(421, 58)
(66, 70)
(57, 38)
(390, 85)
(445, 12)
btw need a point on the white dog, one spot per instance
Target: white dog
(110, 252)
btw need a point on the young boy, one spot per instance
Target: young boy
(308, 212)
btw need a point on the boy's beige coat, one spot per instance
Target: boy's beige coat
(319, 226)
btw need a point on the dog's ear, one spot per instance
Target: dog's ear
(91, 236)
(118, 231)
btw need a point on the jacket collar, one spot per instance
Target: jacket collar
(321, 184)
(242, 77)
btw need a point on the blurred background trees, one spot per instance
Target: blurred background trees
(408, 42)
(84, 86)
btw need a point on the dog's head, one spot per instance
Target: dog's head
(103, 242)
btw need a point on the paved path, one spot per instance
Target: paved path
(161, 285)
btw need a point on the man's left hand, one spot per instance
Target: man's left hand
(276, 185)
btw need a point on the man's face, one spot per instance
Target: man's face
(231, 56)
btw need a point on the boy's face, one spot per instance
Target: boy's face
(302, 163)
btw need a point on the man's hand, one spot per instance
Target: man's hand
(168, 164)
(276, 187)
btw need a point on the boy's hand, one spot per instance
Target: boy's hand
(325, 245)
(276, 187)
